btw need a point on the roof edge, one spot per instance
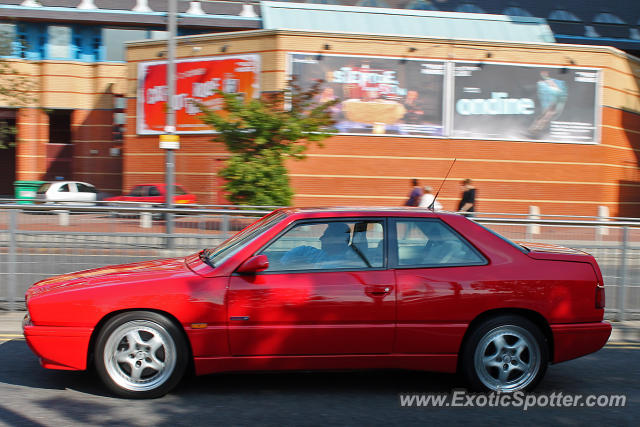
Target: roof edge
(276, 32)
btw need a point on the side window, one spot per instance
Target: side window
(328, 246)
(153, 191)
(432, 243)
(83, 188)
(137, 191)
(63, 188)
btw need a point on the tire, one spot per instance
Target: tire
(141, 355)
(506, 353)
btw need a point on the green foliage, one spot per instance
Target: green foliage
(261, 134)
(16, 90)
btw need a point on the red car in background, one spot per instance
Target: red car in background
(155, 193)
(341, 288)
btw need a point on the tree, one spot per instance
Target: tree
(261, 134)
(16, 90)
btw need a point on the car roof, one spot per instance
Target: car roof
(157, 184)
(344, 211)
(69, 182)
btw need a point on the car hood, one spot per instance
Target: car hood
(115, 273)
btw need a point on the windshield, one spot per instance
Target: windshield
(232, 245)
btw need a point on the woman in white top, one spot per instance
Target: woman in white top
(428, 200)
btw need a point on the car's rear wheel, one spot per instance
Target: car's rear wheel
(506, 353)
(140, 354)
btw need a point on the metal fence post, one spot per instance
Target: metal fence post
(621, 294)
(534, 214)
(12, 259)
(169, 230)
(225, 226)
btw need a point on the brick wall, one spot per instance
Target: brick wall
(572, 179)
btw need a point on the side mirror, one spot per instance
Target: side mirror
(254, 264)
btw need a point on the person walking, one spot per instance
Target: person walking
(428, 200)
(467, 204)
(415, 195)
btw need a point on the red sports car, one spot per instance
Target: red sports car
(155, 193)
(328, 289)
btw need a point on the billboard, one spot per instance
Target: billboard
(525, 102)
(379, 95)
(196, 79)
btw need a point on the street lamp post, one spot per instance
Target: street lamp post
(170, 126)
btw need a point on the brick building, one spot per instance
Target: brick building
(511, 173)
(85, 123)
(73, 50)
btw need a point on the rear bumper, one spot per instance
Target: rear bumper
(58, 347)
(577, 339)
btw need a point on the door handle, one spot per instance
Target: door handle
(378, 290)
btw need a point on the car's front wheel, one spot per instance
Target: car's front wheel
(506, 353)
(140, 354)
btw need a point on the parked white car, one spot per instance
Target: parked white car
(67, 192)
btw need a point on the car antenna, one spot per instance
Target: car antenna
(433, 204)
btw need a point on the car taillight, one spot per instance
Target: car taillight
(600, 299)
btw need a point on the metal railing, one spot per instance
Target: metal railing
(39, 241)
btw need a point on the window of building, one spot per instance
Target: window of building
(7, 39)
(516, 11)
(87, 43)
(607, 18)
(372, 3)
(119, 117)
(60, 126)
(323, 1)
(113, 40)
(563, 15)
(421, 5)
(59, 42)
(469, 8)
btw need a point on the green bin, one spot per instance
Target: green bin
(25, 191)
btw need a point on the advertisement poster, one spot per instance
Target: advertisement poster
(386, 96)
(516, 102)
(196, 79)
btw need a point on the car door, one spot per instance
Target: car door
(304, 304)
(435, 269)
(86, 194)
(64, 193)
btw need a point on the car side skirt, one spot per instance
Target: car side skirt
(421, 362)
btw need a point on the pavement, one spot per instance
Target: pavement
(623, 332)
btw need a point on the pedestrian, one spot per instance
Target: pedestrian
(467, 204)
(415, 195)
(428, 200)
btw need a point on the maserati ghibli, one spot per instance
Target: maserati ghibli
(336, 288)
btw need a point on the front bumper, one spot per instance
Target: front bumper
(58, 347)
(577, 339)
